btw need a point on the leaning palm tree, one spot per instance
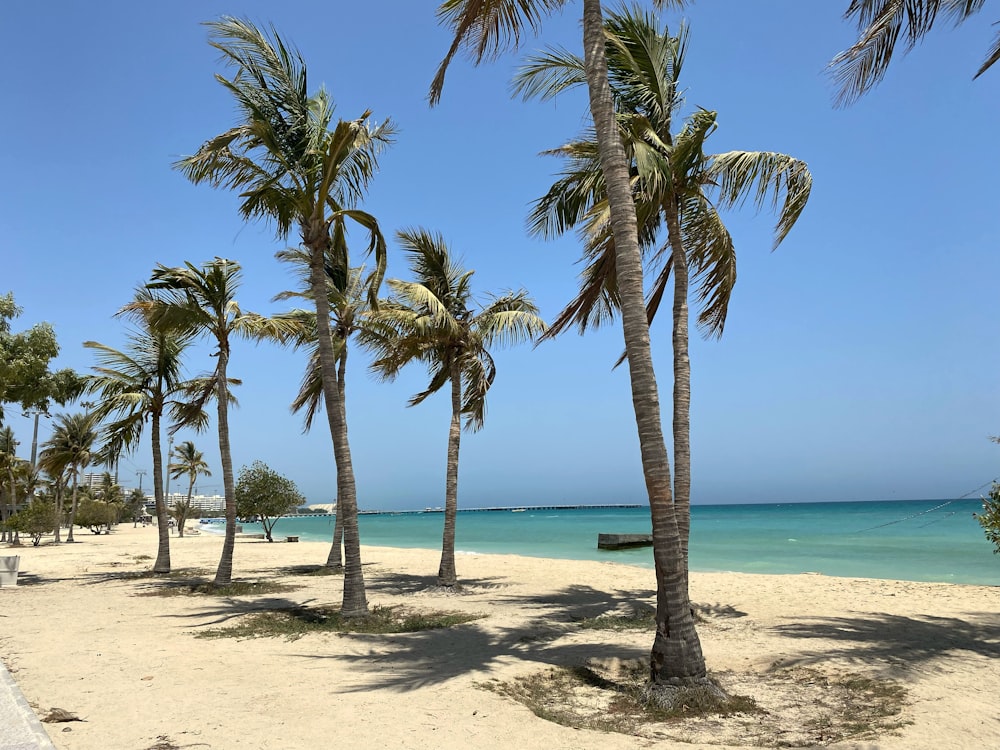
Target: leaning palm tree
(141, 384)
(202, 301)
(186, 459)
(349, 306)
(485, 28)
(880, 23)
(72, 447)
(292, 165)
(678, 190)
(432, 320)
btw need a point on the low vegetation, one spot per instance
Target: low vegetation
(782, 707)
(207, 588)
(299, 621)
(637, 619)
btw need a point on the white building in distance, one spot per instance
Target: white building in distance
(203, 504)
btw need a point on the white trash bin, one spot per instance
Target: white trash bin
(9, 565)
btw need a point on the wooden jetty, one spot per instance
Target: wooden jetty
(624, 541)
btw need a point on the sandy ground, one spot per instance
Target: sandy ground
(83, 635)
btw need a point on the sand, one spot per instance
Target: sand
(82, 634)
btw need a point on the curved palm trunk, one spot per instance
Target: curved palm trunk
(682, 381)
(224, 573)
(676, 651)
(180, 527)
(162, 564)
(72, 506)
(446, 571)
(335, 559)
(354, 602)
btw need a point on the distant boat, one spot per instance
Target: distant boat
(518, 510)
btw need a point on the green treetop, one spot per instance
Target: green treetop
(25, 378)
(261, 491)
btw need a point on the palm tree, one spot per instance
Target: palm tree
(8, 465)
(485, 27)
(676, 187)
(432, 320)
(139, 385)
(186, 459)
(862, 66)
(349, 306)
(291, 168)
(71, 446)
(202, 301)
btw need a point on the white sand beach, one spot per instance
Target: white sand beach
(81, 633)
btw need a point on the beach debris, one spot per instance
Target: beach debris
(59, 715)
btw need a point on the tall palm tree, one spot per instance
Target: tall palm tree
(202, 301)
(294, 167)
(71, 446)
(349, 306)
(432, 320)
(138, 385)
(880, 23)
(186, 459)
(677, 187)
(8, 465)
(485, 27)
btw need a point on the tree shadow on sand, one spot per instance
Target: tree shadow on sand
(895, 639)
(411, 661)
(226, 609)
(405, 584)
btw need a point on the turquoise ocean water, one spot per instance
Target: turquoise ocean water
(905, 540)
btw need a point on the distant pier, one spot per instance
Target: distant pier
(495, 509)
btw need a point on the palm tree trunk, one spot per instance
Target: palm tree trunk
(682, 381)
(224, 573)
(447, 575)
(56, 536)
(6, 513)
(162, 564)
(335, 559)
(676, 651)
(354, 602)
(72, 507)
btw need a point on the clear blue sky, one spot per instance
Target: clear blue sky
(859, 361)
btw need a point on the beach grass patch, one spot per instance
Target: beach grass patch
(637, 619)
(866, 708)
(296, 622)
(582, 697)
(796, 707)
(207, 588)
(177, 574)
(313, 570)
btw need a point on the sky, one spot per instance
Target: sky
(859, 360)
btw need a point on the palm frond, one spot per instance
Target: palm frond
(545, 76)
(880, 24)
(486, 28)
(764, 176)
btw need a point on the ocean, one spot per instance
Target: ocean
(914, 540)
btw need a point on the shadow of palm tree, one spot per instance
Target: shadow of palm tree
(582, 602)
(410, 661)
(896, 639)
(225, 609)
(405, 584)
